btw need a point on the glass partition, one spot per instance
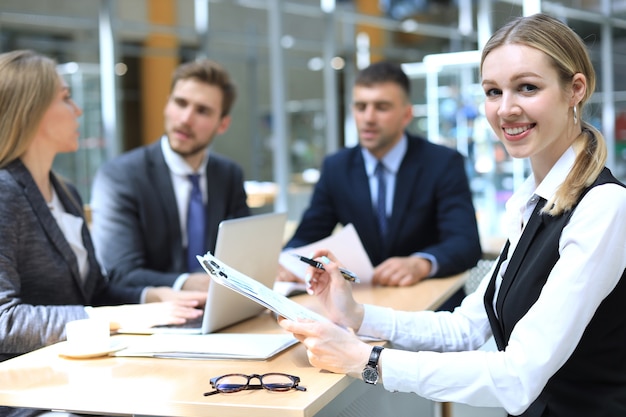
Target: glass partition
(447, 99)
(80, 167)
(451, 113)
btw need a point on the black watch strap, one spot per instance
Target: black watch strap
(370, 374)
(374, 356)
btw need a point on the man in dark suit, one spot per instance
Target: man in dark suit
(140, 200)
(428, 224)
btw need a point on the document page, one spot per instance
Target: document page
(209, 346)
(344, 244)
(225, 275)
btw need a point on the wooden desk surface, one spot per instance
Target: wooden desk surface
(175, 387)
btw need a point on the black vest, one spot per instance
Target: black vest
(592, 382)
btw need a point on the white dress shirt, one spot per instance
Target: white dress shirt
(179, 173)
(72, 228)
(592, 252)
(391, 161)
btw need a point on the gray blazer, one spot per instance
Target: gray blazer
(40, 286)
(135, 222)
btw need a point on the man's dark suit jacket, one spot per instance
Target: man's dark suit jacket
(136, 226)
(432, 209)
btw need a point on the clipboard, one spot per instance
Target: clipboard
(223, 274)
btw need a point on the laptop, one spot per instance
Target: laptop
(251, 245)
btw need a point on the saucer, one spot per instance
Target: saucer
(73, 352)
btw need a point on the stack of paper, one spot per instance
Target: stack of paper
(210, 346)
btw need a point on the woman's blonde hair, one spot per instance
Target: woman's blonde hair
(569, 57)
(28, 85)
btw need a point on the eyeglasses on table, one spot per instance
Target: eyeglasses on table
(273, 381)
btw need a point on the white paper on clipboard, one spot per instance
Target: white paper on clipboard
(229, 277)
(344, 244)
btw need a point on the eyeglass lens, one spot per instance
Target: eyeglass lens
(239, 382)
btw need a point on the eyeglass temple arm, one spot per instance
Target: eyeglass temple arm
(245, 387)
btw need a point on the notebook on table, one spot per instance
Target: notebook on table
(251, 244)
(258, 346)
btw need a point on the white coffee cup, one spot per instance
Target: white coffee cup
(89, 335)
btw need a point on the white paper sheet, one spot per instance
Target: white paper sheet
(229, 277)
(344, 244)
(256, 346)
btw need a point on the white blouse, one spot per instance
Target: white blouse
(72, 227)
(592, 251)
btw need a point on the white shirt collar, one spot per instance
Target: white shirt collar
(521, 204)
(392, 159)
(176, 163)
(550, 183)
(557, 174)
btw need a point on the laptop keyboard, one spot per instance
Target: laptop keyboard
(189, 324)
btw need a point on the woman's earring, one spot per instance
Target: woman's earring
(575, 115)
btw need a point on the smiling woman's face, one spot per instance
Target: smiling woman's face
(525, 104)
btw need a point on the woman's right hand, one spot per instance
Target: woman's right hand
(141, 316)
(334, 291)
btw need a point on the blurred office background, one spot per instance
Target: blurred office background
(294, 62)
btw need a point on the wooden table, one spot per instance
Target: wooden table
(175, 387)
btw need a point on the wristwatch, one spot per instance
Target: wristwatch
(370, 373)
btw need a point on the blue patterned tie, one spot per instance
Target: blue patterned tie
(195, 224)
(381, 204)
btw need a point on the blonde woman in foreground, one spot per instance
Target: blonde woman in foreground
(554, 299)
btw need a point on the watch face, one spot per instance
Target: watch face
(370, 375)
